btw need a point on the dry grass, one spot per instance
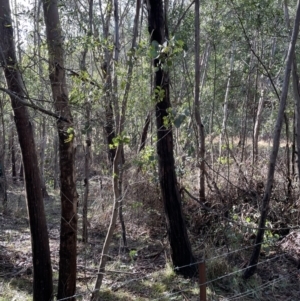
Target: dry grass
(144, 272)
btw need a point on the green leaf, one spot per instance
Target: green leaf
(154, 49)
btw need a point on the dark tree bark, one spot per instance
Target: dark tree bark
(42, 279)
(68, 230)
(145, 133)
(180, 246)
(13, 154)
(3, 183)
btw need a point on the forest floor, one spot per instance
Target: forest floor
(144, 271)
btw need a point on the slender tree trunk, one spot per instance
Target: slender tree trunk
(42, 157)
(204, 65)
(88, 141)
(68, 230)
(86, 188)
(244, 117)
(55, 165)
(42, 279)
(212, 113)
(117, 170)
(121, 119)
(180, 246)
(258, 123)
(288, 158)
(111, 228)
(107, 87)
(37, 43)
(294, 145)
(225, 105)
(296, 117)
(115, 93)
(200, 127)
(296, 90)
(87, 156)
(13, 153)
(276, 140)
(3, 184)
(145, 133)
(261, 104)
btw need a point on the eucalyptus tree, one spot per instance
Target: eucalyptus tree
(41, 91)
(65, 128)
(12, 148)
(296, 90)
(200, 133)
(180, 246)
(3, 182)
(42, 277)
(276, 140)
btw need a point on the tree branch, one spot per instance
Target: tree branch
(182, 17)
(254, 53)
(33, 106)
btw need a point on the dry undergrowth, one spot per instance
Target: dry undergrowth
(143, 272)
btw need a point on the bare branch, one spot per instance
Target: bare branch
(182, 17)
(33, 106)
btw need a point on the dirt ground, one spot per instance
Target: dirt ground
(144, 271)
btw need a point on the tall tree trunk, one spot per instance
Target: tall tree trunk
(257, 123)
(180, 246)
(3, 183)
(144, 133)
(200, 127)
(212, 113)
(288, 158)
(296, 90)
(55, 165)
(118, 161)
(43, 140)
(88, 140)
(13, 153)
(117, 169)
(276, 140)
(107, 87)
(68, 230)
(42, 279)
(244, 117)
(294, 140)
(225, 105)
(88, 143)
(296, 119)
(42, 157)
